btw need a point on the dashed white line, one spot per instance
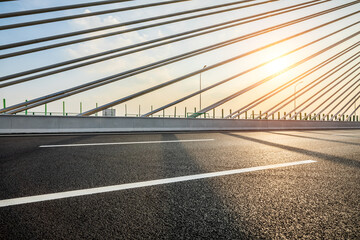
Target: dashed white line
(90, 191)
(125, 143)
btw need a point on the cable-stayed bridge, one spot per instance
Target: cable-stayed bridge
(325, 37)
(200, 74)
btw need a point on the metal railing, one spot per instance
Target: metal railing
(247, 115)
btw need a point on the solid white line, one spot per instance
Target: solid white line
(89, 191)
(125, 143)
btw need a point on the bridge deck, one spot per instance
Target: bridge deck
(315, 199)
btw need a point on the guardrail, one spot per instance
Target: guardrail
(246, 115)
(10, 124)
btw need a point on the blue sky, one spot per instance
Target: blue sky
(108, 93)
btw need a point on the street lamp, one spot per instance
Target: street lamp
(295, 95)
(200, 87)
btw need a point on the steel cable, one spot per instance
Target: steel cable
(272, 76)
(343, 99)
(310, 85)
(219, 83)
(291, 82)
(101, 82)
(65, 35)
(176, 36)
(208, 68)
(357, 96)
(319, 91)
(51, 20)
(60, 8)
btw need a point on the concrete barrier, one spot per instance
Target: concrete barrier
(10, 124)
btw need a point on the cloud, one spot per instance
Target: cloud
(101, 44)
(108, 43)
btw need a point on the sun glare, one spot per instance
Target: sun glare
(276, 65)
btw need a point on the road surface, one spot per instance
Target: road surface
(218, 185)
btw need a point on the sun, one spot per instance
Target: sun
(277, 65)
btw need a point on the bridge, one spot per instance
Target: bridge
(134, 119)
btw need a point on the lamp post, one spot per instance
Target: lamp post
(295, 95)
(200, 87)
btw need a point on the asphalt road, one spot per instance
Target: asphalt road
(312, 200)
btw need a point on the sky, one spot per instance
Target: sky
(108, 93)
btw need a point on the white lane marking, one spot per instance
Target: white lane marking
(125, 143)
(90, 191)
